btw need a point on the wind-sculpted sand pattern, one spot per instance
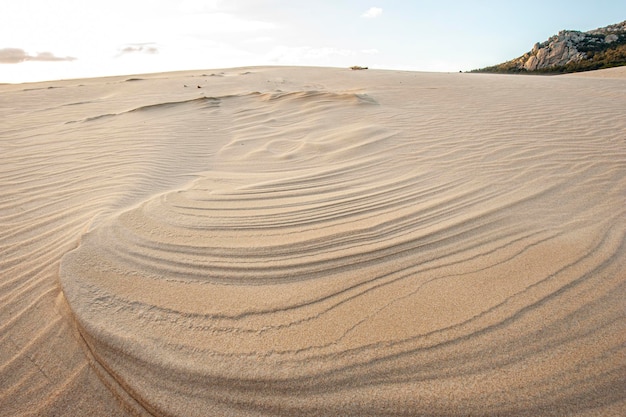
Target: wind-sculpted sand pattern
(323, 242)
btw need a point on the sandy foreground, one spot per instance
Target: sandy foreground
(314, 242)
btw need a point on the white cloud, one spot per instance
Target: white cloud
(372, 12)
(372, 51)
(144, 48)
(16, 55)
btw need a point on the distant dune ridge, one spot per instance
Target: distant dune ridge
(314, 242)
(571, 51)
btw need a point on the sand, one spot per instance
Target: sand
(314, 242)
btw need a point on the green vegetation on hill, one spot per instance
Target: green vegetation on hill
(615, 56)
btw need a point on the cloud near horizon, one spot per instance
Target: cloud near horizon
(142, 48)
(17, 55)
(372, 12)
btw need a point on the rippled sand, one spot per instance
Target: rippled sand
(309, 241)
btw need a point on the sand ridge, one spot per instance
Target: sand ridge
(309, 241)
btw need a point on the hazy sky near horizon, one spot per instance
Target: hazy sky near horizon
(60, 39)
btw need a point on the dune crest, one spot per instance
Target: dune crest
(334, 243)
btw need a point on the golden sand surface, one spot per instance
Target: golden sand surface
(280, 241)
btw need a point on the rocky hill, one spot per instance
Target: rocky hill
(571, 51)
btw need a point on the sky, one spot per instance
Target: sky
(63, 39)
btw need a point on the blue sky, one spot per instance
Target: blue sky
(47, 40)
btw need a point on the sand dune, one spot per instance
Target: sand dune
(309, 241)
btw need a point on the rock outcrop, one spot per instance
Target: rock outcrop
(569, 51)
(558, 50)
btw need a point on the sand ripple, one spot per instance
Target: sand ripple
(370, 251)
(328, 265)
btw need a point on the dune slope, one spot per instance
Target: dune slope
(308, 241)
